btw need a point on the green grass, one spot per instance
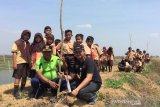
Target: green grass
(129, 78)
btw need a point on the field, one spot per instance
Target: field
(119, 89)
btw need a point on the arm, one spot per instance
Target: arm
(85, 81)
(45, 80)
(90, 70)
(83, 84)
(14, 56)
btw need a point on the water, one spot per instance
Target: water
(6, 77)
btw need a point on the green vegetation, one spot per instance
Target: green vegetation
(5, 62)
(101, 96)
(124, 78)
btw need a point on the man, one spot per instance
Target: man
(89, 82)
(21, 56)
(46, 68)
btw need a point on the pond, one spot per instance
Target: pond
(6, 77)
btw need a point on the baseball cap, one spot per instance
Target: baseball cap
(47, 48)
(78, 48)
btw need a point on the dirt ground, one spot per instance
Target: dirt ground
(7, 99)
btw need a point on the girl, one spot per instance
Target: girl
(36, 51)
(110, 58)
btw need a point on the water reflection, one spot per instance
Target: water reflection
(6, 77)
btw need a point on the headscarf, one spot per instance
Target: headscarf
(37, 47)
(24, 46)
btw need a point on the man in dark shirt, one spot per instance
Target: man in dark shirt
(88, 81)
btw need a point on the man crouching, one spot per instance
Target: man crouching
(88, 81)
(46, 68)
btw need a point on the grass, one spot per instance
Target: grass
(124, 78)
(100, 96)
(152, 71)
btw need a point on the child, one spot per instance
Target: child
(79, 41)
(36, 51)
(95, 51)
(21, 61)
(104, 59)
(57, 41)
(50, 42)
(47, 32)
(110, 58)
(67, 49)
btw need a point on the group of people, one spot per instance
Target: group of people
(134, 60)
(50, 63)
(107, 59)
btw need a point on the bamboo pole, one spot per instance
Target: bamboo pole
(59, 82)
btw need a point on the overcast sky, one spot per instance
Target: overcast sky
(110, 22)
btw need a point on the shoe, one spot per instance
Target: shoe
(92, 101)
(16, 94)
(32, 94)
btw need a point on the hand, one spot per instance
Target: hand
(61, 75)
(14, 66)
(74, 92)
(53, 84)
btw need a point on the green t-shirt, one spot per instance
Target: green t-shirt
(49, 68)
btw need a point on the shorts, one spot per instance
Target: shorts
(110, 62)
(22, 71)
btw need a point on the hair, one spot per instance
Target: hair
(47, 27)
(51, 37)
(79, 35)
(68, 30)
(129, 48)
(138, 50)
(57, 41)
(37, 47)
(89, 38)
(110, 50)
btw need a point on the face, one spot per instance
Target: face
(38, 39)
(49, 41)
(48, 31)
(26, 37)
(79, 54)
(89, 43)
(79, 40)
(68, 36)
(47, 55)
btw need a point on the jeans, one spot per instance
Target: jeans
(88, 92)
(40, 87)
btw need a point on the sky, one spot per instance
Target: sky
(110, 22)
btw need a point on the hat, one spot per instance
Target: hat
(78, 48)
(47, 48)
